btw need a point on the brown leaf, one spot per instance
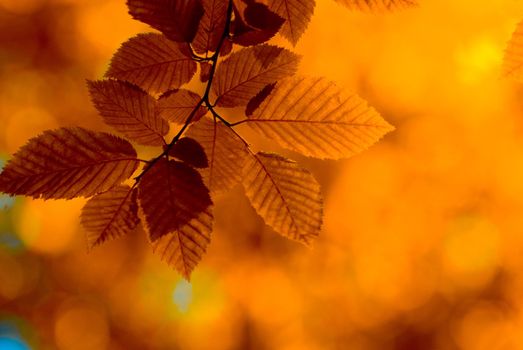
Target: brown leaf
(513, 61)
(254, 24)
(152, 62)
(227, 47)
(314, 117)
(226, 154)
(189, 151)
(110, 215)
(67, 163)
(171, 194)
(130, 110)
(378, 5)
(205, 71)
(246, 72)
(286, 197)
(256, 101)
(184, 248)
(211, 26)
(297, 15)
(177, 105)
(177, 19)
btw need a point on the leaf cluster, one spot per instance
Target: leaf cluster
(142, 97)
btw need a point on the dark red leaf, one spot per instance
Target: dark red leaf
(255, 25)
(189, 151)
(177, 19)
(226, 48)
(205, 71)
(171, 194)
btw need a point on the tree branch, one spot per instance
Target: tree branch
(205, 98)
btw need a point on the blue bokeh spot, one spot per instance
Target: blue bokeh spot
(12, 344)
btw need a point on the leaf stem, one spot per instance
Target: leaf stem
(239, 122)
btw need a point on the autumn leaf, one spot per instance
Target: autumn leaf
(226, 154)
(129, 110)
(152, 62)
(177, 19)
(246, 72)
(513, 61)
(205, 71)
(256, 101)
(189, 151)
(287, 197)
(297, 15)
(254, 23)
(171, 194)
(378, 5)
(177, 105)
(316, 118)
(211, 26)
(67, 163)
(184, 248)
(110, 215)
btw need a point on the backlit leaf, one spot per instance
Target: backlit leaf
(110, 215)
(177, 105)
(314, 117)
(184, 248)
(226, 154)
(211, 26)
(129, 110)
(189, 151)
(256, 101)
(152, 62)
(205, 71)
(287, 197)
(378, 5)
(297, 15)
(67, 163)
(254, 23)
(513, 62)
(246, 72)
(171, 194)
(177, 19)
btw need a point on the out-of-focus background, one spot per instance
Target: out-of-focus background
(423, 240)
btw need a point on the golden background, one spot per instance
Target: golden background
(422, 246)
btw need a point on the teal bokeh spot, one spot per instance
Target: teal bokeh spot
(12, 344)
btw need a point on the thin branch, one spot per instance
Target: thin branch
(205, 98)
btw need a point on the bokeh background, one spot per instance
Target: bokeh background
(422, 246)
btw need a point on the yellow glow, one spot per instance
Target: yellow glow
(48, 226)
(471, 250)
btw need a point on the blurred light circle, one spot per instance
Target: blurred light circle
(48, 226)
(7, 343)
(81, 326)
